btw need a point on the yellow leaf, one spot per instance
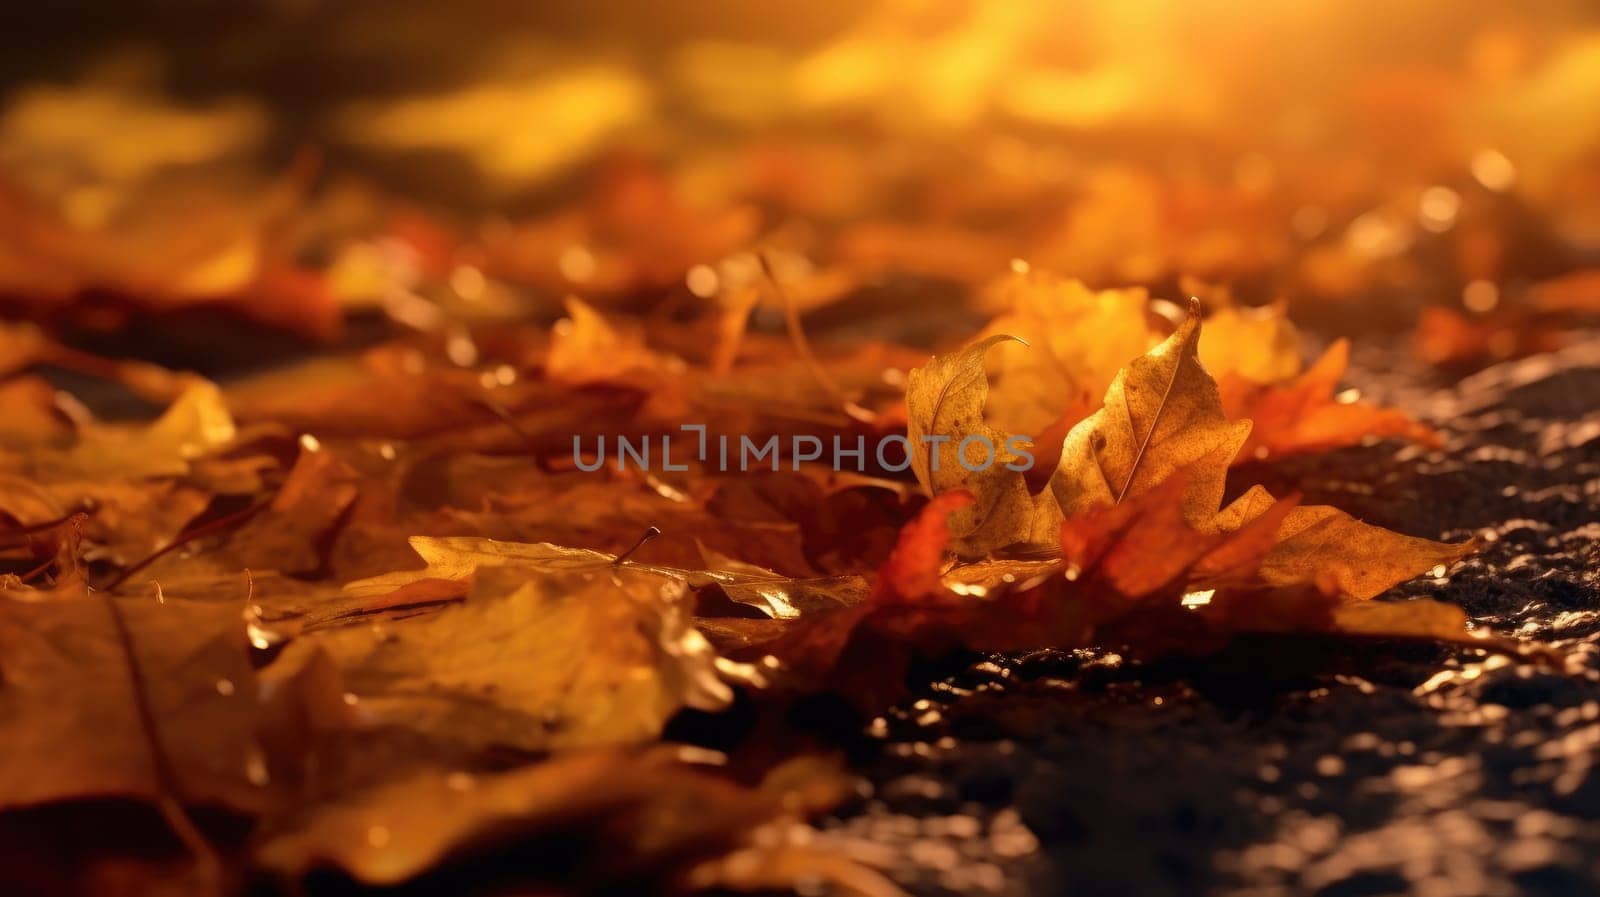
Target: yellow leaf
(457, 558)
(1259, 344)
(1076, 340)
(586, 348)
(1162, 414)
(460, 557)
(1419, 618)
(546, 661)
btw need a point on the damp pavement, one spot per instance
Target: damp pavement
(1336, 770)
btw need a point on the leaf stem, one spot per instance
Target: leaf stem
(649, 534)
(802, 347)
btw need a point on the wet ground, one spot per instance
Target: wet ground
(1304, 768)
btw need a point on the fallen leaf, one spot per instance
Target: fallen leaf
(1448, 337)
(1320, 541)
(127, 697)
(568, 658)
(1577, 293)
(1073, 341)
(954, 449)
(294, 531)
(1162, 414)
(1260, 345)
(1305, 415)
(651, 819)
(196, 424)
(586, 348)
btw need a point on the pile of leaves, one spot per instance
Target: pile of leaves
(412, 591)
(215, 621)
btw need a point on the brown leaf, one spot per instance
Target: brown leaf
(633, 817)
(291, 534)
(164, 708)
(196, 424)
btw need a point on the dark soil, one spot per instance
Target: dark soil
(1303, 768)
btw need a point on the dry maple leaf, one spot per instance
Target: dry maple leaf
(141, 482)
(1315, 544)
(453, 561)
(293, 529)
(1164, 414)
(1137, 575)
(197, 423)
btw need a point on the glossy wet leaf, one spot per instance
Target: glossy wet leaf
(542, 660)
